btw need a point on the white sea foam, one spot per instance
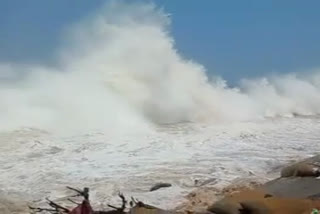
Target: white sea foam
(118, 80)
(120, 70)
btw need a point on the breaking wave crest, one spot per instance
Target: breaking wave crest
(120, 70)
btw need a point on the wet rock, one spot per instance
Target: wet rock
(297, 180)
(296, 192)
(232, 204)
(225, 207)
(301, 170)
(314, 197)
(290, 206)
(200, 211)
(254, 207)
(247, 195)
(256, 202)
(293, 187)
(307, 167)
(159, 186)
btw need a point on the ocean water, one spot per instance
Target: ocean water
(37, 164)
(122, 109)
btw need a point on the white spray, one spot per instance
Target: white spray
(120, 70)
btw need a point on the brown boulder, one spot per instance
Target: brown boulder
(225, 207)
(306, 167)
(258, 202)
(247, 201)
(301, 170)
(290, 206)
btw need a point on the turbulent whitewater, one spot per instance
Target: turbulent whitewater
(121, 110)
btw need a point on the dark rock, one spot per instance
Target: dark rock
(296, 192)
(268, 196)
(160, 185)
(307, 167)
(297, 180)
(254, 207)
(301, 170)
(200, 211)
(293, 187)
(314, 197)
(225, 207)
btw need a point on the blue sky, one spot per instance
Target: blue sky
(231, 38)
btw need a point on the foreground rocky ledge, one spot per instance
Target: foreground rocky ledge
(296, 191)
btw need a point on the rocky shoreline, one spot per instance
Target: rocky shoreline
(296, 190)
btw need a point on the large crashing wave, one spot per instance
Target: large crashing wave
(119, 70)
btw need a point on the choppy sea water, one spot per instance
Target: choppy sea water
(38, 164)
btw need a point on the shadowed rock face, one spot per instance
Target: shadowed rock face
(300, 170)
(254, 207)
(298, 180)
(225, 207)
(294, 187)
(307, 167)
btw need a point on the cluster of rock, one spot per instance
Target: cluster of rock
(296, 191)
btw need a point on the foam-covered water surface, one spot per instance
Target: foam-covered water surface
(39, 164)
(122, 109)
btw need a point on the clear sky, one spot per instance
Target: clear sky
(231, 38)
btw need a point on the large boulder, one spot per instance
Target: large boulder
(298, 180)
(257, 202)
(294, 187)
(225, 207)
(297, 191)
(307, 168)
